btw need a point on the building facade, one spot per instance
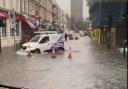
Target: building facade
(56, 15)
(28, 15)
(60, 19)
(7, 34)
(110, 17)
(77, 9)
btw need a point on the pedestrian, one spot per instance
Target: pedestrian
(66, 36)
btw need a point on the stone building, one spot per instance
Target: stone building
(77, 9)
(60, 19)
(29, 15)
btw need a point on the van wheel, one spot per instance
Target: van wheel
(37, 51)
(62, 49)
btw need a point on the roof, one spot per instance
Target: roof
(49, 35)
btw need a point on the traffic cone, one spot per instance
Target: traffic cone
(53, 53)
(29, 54)
(70, 53)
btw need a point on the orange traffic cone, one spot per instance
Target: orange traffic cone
(70, 53)
(53, 53)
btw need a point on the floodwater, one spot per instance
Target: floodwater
(89, 68)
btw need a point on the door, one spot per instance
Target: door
(44, 44)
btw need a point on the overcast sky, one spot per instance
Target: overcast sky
(65, 5)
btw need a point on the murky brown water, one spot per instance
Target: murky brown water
(88, 69)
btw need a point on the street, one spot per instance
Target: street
(89, 68)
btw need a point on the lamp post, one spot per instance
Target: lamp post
(12, 17)
(14, 32)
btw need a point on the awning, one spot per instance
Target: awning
(31, 25)
(3, 15)
(36, 17)
(20, 17)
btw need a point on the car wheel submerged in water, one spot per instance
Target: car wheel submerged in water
(61, 49)
(76, 38)
(37, 51)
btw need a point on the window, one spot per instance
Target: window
(35, 39)
(45, 39)
(3, 21)
(4, 3)
(4, 31)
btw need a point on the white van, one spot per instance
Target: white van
(43, 43)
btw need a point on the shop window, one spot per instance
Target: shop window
(3, 26)
(4, 31)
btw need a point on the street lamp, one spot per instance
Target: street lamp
(12, 18)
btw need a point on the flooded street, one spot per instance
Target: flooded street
(89, 68)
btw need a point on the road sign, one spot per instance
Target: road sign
(12, 15)
(13, 25)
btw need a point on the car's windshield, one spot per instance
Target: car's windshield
(35, 39)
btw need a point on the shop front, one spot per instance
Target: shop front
(10, 33)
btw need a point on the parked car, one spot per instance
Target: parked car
(44, 43)
(70, 36)
(81, 33)
(76, 36)
(86, 33)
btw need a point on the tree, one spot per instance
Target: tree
(81, 25)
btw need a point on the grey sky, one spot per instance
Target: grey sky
(65, 5)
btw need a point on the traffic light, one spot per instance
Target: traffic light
(1, 23)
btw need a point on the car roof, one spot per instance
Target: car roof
(48, 35)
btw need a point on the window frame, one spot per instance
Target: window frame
(46, 41)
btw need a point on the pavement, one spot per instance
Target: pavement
(89, 68)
